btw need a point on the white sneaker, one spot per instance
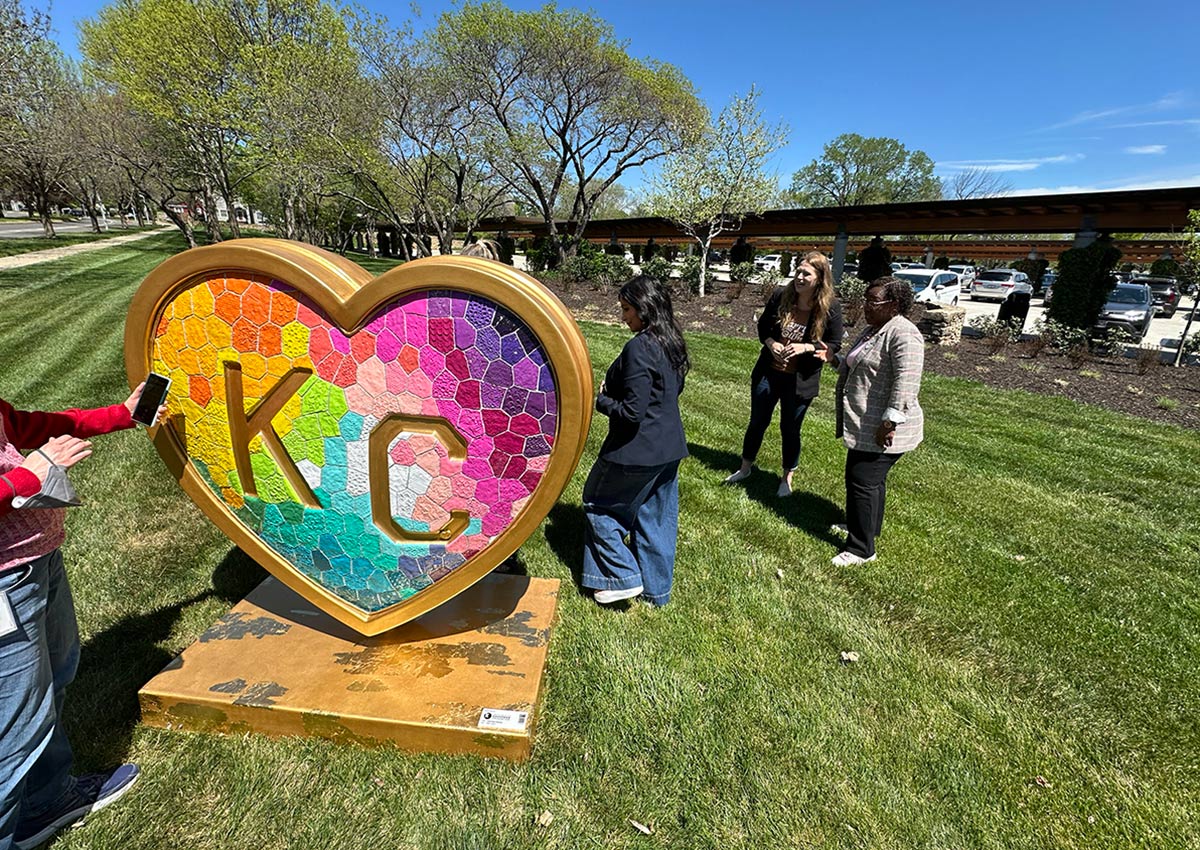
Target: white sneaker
(849, 559)
(740, 475)
(784, 490)
(839, 528)
(608, 597)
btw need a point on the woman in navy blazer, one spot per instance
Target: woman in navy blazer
(633, 489)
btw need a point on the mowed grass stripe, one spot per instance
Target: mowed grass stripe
(725, 719)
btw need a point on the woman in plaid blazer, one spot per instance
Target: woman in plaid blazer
(878, 415)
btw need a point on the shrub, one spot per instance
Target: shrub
(743, 272)
(1191, 345)
(996, 335)
(1078, 353)
(1059, 337)
(542, 255)
(1035, 269)
(657, 268)
(589, 264)
(508, 247)
(689, 273)
(853, 292)
(1113, 343)
(1148, 360)
(942, 262)
(1166, 267)
(1084, 281)
(785, 264)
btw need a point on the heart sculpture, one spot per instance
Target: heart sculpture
(378, 445)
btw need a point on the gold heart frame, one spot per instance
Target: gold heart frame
(350, 297)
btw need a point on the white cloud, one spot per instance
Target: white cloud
(1177, 122)
(1006, 165)
(1173, 100)
(1146, 149)
(1116, 186)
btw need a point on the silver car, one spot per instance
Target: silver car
(998, 284)
(1130, 307)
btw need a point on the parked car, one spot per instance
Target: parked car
(1164, 291)
(769, 261)
(1130, 307)
(998, 284)
(1048, 280)
(966, 275)
(932, 285)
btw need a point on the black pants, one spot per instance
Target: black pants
(866, 489)
(769, 387)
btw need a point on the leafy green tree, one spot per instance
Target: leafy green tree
(854, 170)
(428, 174)
(20, 30)
(710, 186)
(37, 152)
(565, 108)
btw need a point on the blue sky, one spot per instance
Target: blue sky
(1057, 95)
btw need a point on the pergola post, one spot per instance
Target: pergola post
(1087, 232)
(839, 253)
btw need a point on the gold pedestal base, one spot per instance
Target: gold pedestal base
(463, 678)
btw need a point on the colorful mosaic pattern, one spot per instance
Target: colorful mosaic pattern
(432, 354)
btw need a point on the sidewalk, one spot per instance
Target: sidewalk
(34, 257)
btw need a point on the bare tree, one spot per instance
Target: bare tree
(975, 183)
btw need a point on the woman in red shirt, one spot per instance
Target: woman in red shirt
(39, 636)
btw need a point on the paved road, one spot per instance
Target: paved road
(23, 228)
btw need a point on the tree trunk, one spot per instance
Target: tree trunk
(704, 264)
(183, 222)
(372, 246)
(211, 220)
(234, 227)
(289, 215)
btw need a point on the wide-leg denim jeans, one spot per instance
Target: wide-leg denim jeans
(641, 503)
(37, 662)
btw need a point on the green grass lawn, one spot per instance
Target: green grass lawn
(1034, 612)
(12, 247)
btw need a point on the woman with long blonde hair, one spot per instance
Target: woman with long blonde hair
(800, 329)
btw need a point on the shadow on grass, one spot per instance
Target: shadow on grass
(564, 532)
(808, 512)
(102, 705)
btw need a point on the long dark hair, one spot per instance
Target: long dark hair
(652, 302)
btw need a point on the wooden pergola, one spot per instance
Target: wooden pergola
(929, 227)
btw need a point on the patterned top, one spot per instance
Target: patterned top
(26, 535)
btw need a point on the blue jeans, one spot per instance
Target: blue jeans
(768, 387)
(37, 662)
(638, 502)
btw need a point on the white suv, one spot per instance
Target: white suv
(934, 286)
(998, 284)
(770, 261)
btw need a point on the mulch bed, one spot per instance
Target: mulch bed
(1162, 394)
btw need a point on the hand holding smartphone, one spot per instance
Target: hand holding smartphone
(150, 402)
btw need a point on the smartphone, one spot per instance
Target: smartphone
(152, 397)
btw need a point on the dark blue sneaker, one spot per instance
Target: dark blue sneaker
(90, 794)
